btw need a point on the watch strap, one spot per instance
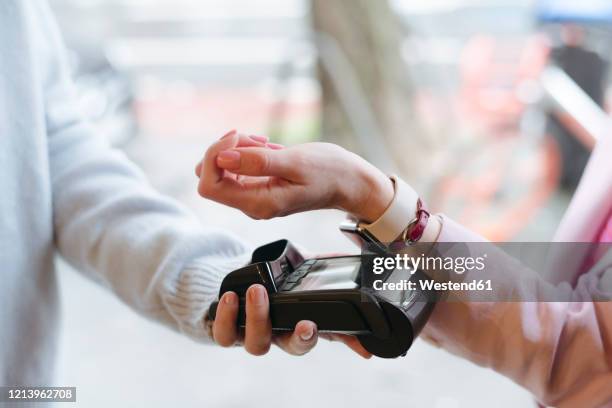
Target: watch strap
(414, 231)
(392, 223)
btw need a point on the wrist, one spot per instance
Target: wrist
(376, 193)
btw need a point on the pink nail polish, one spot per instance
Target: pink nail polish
(275, 146)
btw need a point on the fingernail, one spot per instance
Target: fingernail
(257, 138)
(229, 159)
(228, 134)
(258, 295)
(275, 146)
(229, 298)
(308, 334)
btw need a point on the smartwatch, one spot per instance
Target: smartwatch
(404, 215)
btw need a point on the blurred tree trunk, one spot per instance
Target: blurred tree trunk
(369, 35)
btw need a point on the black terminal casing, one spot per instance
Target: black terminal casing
(385, 328)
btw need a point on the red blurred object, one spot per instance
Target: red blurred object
(492, 71)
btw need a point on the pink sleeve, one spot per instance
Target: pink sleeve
(560, 351)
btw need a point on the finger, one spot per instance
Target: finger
(261, 139)
(352, 342)
(301, 340)
(258, 333)
(209, 172)
(253, 197)
(260, 162)
(251, 141)
(243, 141)
(225, 332)
(198, 168)
(275, 146)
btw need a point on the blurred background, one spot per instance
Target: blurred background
(489, 108)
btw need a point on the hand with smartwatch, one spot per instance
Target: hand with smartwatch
(266, 180)
(274, 181)
(263, 185)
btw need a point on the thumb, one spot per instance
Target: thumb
(255, 161)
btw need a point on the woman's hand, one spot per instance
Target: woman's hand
(266, 180)
(264, 185)
(257, 337)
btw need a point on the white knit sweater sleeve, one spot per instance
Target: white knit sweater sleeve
(110, 224)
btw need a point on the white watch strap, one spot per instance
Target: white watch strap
(397, 216)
